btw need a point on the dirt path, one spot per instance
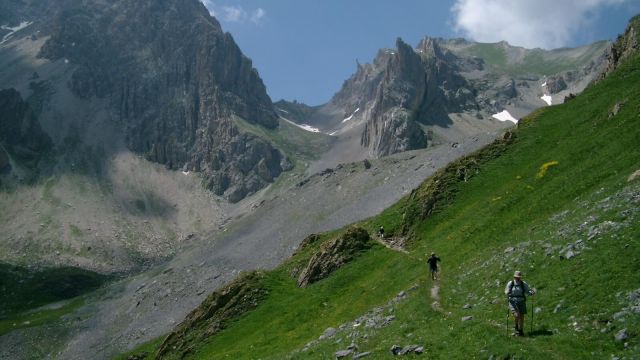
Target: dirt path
(435, 296)
(392, 244)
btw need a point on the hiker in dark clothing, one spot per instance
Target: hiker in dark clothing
(516, 290)
(433, 265)
(381, 232)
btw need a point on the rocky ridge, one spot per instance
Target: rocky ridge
(442, 89)
(173, 83)
(21, 136)
(219, 308)
(626, 45)
(333, 255)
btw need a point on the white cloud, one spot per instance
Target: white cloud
(258, 15)
(233, 14)
(530, 23)
(210, 6)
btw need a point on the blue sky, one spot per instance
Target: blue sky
(305, 49)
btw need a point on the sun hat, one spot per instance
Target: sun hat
(517, 274)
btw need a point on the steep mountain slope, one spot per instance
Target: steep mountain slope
(113, 115)
(169, 79)
(567, 217)
(445, 91)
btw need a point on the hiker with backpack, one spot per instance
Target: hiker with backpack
(516, 291)
(433, 265)
(381, 232)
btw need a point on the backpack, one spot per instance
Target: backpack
(512, 283)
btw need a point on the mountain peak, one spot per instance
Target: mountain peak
(429, 46)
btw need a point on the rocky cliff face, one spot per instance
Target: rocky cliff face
(215, 313)
(406, 91)
(400, 90)
(20, 132)
(175, 82)
(333, 255)
(626, 45)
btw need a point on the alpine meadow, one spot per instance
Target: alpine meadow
(159, 204)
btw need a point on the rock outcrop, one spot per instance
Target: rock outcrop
(445, 90)
(5, 165)
(333, 255)
(20, 132)
(213, 315)
(555, 84)
(625, 46)
(402, 89)
(178, 85)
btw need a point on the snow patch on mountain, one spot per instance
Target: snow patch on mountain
(505, 116)
(546, 98)
(351, 116)
(306, 127)
(13, 30)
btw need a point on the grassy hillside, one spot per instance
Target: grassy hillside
(556, 201)
(535, 61)
(25, 292)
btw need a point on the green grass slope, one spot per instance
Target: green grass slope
(556, 200)
(34, 297)
(534, 61)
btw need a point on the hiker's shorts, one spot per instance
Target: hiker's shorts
(518, 305)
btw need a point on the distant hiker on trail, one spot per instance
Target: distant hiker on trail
(516, 290)
(381, 232)
(433, 265)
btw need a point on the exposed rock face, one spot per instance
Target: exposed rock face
(5, 165)
(626, 45)
(20, 132)
(219, 308)
(555, 84)
(401, 89)
(442, 87)
(177, 84)
(333, 255)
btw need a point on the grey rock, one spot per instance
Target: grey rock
(620, 315)
(398, 350)
(395, 349)
(178, 102)
(558, 307)
(625, 46)
(622, 335)
(466, 306)
(467, 318)
(333, 255)
(20, 133)
(555, 84)
(361, 355)
(343, 353)
(328, 333)
(570, 254)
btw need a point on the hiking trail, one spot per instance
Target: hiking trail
(392, 244)
(435, 296)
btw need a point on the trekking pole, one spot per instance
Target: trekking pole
(532, 311)
(507, 322)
